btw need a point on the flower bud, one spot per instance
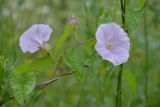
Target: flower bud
(73, 20)
(46, 47)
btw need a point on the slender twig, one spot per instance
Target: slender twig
(119, 80)
(76, 38)
(145, 4)
(58, 64)
(45, 84)
(83, 43)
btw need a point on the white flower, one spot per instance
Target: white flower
(112, 43)
(35, 37)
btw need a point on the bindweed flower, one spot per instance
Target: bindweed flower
(35, 37)
(112, 43)
(73, 20)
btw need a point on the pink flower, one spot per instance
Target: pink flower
(73, 20)
(35, 37)
(112, 43)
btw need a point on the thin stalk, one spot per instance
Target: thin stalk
(146, 59)
(12, 32)
(119, 80)
(119, 91)
(100, 90)
(83, 91)
(123, 6)
(84, 43)
(46, 83)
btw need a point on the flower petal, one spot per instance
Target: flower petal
(42, 31)
(28, 45)
(105, 54)
(120, 55)
(102, 32)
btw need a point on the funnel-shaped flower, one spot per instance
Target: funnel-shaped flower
(35, 37)
(112, 43)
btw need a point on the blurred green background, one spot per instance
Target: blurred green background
(97, 86)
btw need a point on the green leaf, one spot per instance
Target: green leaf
(36, 64)
(132, 18)
(22, 85)
(2, 67)
(95, 64)
(59, 43)
(131, 80)
(127, 2)
(73, 62)
(141, 2)
(41, 63)
(1, 72)
(104, 19)
(90, 44)
(24, 67)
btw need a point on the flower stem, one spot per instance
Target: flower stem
(119, 80)
(119, 91)
(123, 6)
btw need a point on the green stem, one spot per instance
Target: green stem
(123, 6)
(100, 89)
(85, 42)
(146, 59)
(119, 81)
(46, 83)
(119, 91)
